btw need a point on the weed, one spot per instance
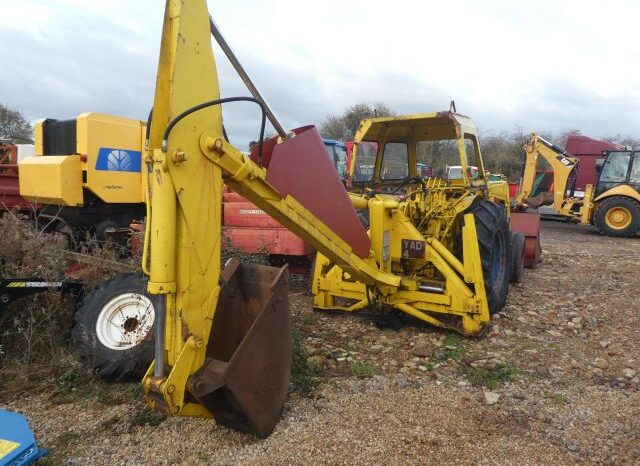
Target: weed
(560, 399)
(147, 417)
(65, 438)
(452, 347)
(68, 385)
(304, 377)
(301, 377)
(112, 395)
(307, 319)
(491, 378)
(351, 346)
(363, 369)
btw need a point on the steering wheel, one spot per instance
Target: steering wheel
(412, 180)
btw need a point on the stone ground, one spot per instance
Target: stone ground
(556, 381)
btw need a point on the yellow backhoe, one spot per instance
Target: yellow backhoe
(438, 250)
(612, 205)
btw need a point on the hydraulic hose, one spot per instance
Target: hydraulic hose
(211, 103)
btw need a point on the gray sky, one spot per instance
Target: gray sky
(543, 65)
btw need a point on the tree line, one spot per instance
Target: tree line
(502, 152)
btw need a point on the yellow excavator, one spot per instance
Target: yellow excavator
(437, 249)
(612, 205)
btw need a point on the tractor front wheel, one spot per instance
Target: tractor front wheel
(492, 229)
(113, 331)
(618, 216)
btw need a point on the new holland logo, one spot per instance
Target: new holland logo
(118, 160)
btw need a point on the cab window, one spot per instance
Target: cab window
(472, 157)
(616, 167)
(395, 161)
(365, 161)
(442, 158)
(341, 161)
(634, 177)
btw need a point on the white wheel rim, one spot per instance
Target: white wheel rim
(125, 321)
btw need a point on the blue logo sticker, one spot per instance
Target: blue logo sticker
(119, 160)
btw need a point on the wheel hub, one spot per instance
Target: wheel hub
(618, 218)
(125, 321)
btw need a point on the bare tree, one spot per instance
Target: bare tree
(14, 125)
(344, 127)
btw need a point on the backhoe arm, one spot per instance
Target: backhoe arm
(199, 370)
(561, 162)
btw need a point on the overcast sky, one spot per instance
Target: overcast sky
(544, 65)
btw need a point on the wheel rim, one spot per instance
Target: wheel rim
(497, 257)
(125, 321)
(618, 218)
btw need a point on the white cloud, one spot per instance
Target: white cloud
(540, 64)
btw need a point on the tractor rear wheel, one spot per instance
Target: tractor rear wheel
(618, 216)
(113, 331)
(492, 229)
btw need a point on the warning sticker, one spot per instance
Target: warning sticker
(6, 447)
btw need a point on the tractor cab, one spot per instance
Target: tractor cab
(389, 151)
(620, 167)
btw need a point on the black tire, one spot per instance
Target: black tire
(102, 227)
(492, 229)
(604, 216)
(125, 301)
(517, 256)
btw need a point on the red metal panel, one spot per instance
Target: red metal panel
(246, 214)
(267, 240)
(230, 196)
(300, 167)
(514, 188)
(529, 225)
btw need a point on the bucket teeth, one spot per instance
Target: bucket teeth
(245, 378)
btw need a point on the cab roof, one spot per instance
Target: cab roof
(417, 127)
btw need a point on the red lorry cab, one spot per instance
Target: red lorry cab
(589, 151)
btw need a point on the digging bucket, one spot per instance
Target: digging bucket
(245, 378)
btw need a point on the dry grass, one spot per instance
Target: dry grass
(35, 346)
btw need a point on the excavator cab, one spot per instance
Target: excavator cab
(619, 168)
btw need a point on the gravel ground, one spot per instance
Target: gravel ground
(556, 381)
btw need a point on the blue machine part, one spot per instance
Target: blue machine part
(119, 160)
(17, 443)
(337, 151)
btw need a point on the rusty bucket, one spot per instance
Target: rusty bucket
(245, 378)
